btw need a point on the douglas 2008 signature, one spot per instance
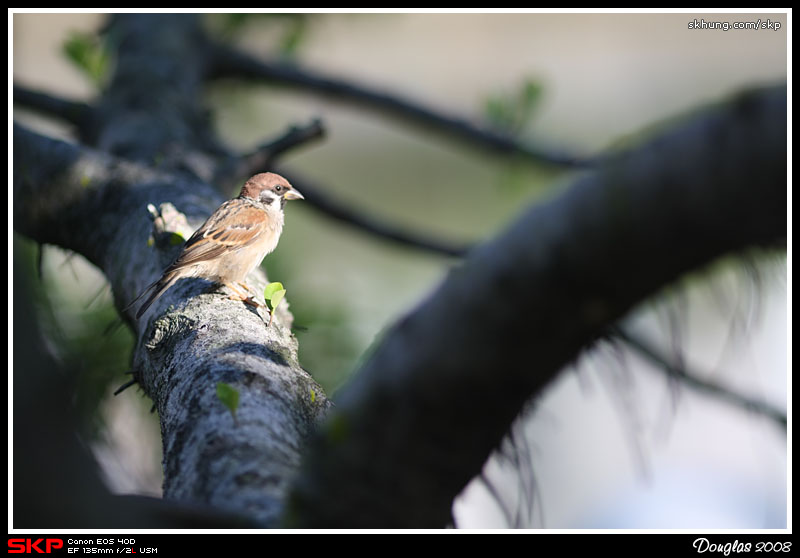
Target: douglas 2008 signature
(702, 545)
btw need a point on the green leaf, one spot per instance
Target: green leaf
(89, 54)
(276, 298)
(272, 289)
(229, 396)
(176, 238)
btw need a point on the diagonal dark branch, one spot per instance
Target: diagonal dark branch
(293, 137)
(229, 62)
(317, 198)
(424, 412)
(74, 112)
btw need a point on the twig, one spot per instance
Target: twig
(232, 63)
(694, 380)
(316, 197)
(510, 517)
(293, 137)
(74, 112)
(125, 386)
(263, 157)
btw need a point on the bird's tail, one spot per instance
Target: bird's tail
(154, 290)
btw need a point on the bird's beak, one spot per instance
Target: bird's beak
(293, 195)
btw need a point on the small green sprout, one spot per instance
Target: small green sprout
(229, 396)
(273, 294)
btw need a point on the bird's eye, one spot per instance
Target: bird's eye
(278, 188)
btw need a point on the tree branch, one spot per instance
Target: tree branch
(73, 112)
(290, 139)
(230, 173)
(438, 394)
(696, 381)
(95, 203)
(231, 63)
(316, 196)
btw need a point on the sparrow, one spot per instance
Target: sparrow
(232, 242)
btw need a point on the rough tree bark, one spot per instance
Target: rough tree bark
(95, 203)
(437, 396)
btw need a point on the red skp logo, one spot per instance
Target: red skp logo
(29, 546)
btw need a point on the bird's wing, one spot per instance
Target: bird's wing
(233, 226)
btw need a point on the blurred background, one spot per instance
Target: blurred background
(613, 443)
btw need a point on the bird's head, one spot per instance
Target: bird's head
(270, 189)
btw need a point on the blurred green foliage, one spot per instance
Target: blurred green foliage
(512, 113)
(289, 30)
(83, 332)
(90, 54)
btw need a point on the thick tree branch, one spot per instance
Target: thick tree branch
(229, 62)
(425, 411)
(95, 202)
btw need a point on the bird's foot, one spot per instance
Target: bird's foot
(250, 301)
(245, 296)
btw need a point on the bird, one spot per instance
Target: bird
(232, 241)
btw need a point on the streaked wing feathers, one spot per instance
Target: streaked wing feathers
(235, 225)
